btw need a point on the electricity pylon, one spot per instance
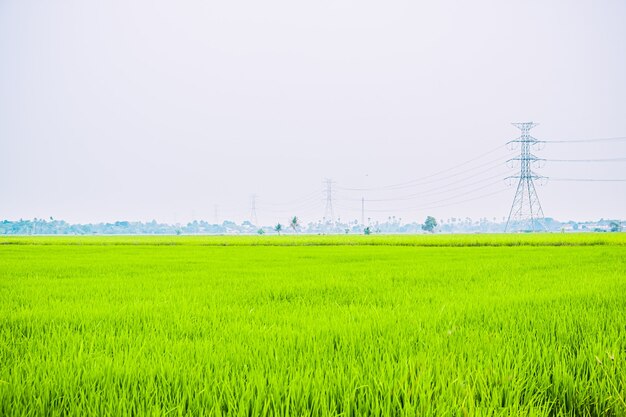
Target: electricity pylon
(329, 214)
(526, 212)
(253, 217)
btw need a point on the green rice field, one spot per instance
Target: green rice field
(442, 325)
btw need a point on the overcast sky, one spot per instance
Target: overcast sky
(140, 110)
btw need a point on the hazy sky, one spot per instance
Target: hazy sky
(141, 110)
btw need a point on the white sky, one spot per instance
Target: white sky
(140, 110)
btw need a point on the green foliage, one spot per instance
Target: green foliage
(278, 228)
(615, 226)
(367, 231)
(260, 232)
(295, 224)
(314, 325)
(429, 224)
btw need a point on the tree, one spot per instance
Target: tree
(295, 224)
(261, 231)
(615, 226)
(278, 228)
(367, 231)
(429, 224)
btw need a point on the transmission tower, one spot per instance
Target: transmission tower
(329, 214)
(526, 212)
(253, 217)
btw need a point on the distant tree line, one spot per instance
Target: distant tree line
(294, 225)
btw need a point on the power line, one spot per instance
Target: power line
(587, 179)
(308, 197)
(469, 174)
(307, 204)
(432, 191)
(491, 164)
(586, 160)
(616, 138)
(421, 179)
(469, 192)
(299, 207)
(432, 205)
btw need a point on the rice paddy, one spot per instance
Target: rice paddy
(480, 325)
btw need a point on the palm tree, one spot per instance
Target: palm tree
(295, 223)
(278, 228)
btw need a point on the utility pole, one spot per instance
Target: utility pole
(253, 217)
(216, 210)
(526, 212)
(363, 211)
(329, 214)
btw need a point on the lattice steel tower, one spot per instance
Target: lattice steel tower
(253, 217)
(329, 214)
(526, 212)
